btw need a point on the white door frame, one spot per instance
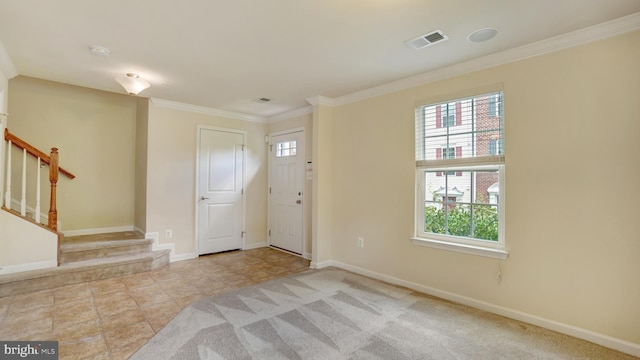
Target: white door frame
(304, 207)
(197, 188)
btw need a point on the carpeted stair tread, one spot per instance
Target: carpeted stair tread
(90, 245)
(83, 265)
(112, 236)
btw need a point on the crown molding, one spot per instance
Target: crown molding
(207, 110)
(290, 114)
(579, 37)
(321, 100)
(6, 65)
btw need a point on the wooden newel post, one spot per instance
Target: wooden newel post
(53, 178)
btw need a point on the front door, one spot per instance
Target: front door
(285, 189)
(220, 190)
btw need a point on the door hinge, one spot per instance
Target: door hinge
(242, 191)
(269, 232)
(242, 147)
(270, 147)
(242, 234)
(269, 190)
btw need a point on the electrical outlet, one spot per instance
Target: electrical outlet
(360, 242)
(168, 234)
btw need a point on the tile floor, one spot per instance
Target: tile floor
(113, 318)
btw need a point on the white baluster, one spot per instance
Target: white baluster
(7, 196)
(37, 214)
(3, 125)
(23, 199)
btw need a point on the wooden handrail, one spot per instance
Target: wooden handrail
(33, 151)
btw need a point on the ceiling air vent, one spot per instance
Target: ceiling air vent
(261, 100)
(427, 39)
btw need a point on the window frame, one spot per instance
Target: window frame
(487, 248)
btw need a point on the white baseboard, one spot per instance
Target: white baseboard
(97, 230)
(28, 267)
(324, 264)
(255, 245)
(155, 246)
(187, 256)
(597, 338)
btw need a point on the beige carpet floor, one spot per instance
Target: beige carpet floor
(334, 314)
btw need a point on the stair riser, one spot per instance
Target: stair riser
(67, 257)
(62, 279)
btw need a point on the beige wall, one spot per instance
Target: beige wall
(305, 122)
(171, 164)
(572, 145)
(16, 254)
(95, 134)
(142, 133)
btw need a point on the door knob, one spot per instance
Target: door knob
(298, 201)
(204, 198)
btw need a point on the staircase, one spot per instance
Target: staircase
(88, 258)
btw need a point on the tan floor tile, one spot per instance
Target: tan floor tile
(44, 336)
(158, 322)
(125, 352)
(107, 286)
(167, 308)
(106, 309)
(34, 314)
(78, 331)
(208, 284)
(167, 284)
(72, 296)
(128, 334)
(122, 319)
(28, 302)
(75, 315)
(25, 329)
(71, 306)
(130, 309)
(138, 280)
(102, 356)
(149, 295)
(257, 275)
(4, 305)
(165, 275)
(112, 297)
(86, 347)
(184, 301)
(182, 291)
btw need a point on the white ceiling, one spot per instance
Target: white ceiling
(223, 54)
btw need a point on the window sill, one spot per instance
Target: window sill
(463, 248)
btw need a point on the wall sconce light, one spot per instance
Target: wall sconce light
(132, 83)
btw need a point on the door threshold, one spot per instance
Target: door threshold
(285, 250)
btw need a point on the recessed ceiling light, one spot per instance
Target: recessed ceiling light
(99, 51)
(482, 35)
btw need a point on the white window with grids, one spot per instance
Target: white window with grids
(286, 148)
(460, 175)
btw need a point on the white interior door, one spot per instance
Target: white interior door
(220, 191)
(286, 181)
